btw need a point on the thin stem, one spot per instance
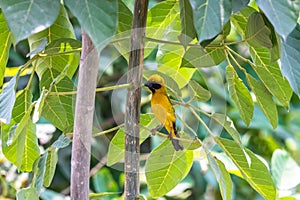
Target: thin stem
(59, 53)
(108, 130)
(31, 77)
(241, 57)
(187, 126)
(126, 85)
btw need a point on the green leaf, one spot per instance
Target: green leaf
(102, 194)
(257, 33)
(124, 30)
(5, 44)
(117, 148)
(22, 104)
(160, 20)
(222, 176)
(290, 59)
(252, 168)
(60, 38)
(282, 14)
(61, 142)
(264, 100)
(25, 17)
(7, 100)
(209, 17)
(199, 57)
(227, 123)
(165, 168)
(198, 92)
(39, 172)
(27, 194)
(240, 19)
(58, 109)
(188, 32)
(51, 162)
(104, 182)
(240, 95)
(97, 18)
(285, 170)
(238, 5)
(270, 74)
(20, 143)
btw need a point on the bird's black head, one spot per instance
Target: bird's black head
(152, 85)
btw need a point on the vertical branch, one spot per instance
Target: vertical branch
(81, 147)
(133, 98)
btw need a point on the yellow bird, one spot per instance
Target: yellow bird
(162, 107)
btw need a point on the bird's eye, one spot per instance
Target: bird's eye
(156, 85)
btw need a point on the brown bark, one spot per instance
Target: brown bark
(83, 122)
(133, 98)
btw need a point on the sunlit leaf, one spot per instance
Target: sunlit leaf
(264, 100)
(222, 176)
(285, 170)
(5, 44)
(253, 169)
(240, 95)
(270, 74)
(290, 59)
(22, 104)
(39, 106)
(25, 17)
(60, 38)
(210, 16)
(282, 14)
(165, 168)
(97, 18)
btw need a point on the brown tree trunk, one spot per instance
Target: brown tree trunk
(83, 122)
(133, 100)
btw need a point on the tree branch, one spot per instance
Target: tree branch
(133, 100)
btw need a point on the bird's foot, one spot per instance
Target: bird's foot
(154, 130)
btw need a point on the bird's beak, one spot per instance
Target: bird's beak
(149, 84)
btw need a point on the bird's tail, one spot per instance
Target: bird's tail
(175, 143)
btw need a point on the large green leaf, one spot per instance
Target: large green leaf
(159, 19)
(282, 14)
(97, 18)
(285, 170)
(62, 28)
(165, 168)
(20, 144)
(58, 108)
(7, 100)
(188, 32)
(239, 94)
(26, 17)
(5, 44)
(200, 57)
(117, 145)
(270, 74)
(237, 5)
(252, 168)
(257, 33)
(22, 104)
(264, 100)
(222, 176)
(39, 172)
(210, 16)
(290, 59)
